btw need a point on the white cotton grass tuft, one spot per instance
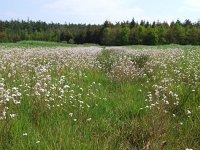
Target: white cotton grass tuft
(25, 134)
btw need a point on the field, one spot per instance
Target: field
(85, 97)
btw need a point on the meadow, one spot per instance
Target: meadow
(85, 97)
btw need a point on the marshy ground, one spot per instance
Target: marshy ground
(92, 97)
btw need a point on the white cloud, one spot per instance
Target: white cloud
(96, 10)
(190, 5)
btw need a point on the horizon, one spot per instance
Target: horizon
(97, 12)
(114, 23)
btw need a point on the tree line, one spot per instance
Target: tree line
(120, 33)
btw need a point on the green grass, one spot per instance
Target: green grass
(193, 47)
(33, 44)
(119, 117)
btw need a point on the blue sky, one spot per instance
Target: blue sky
(97, 11)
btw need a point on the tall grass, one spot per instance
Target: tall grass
(78, 98)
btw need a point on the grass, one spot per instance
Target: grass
(164, 46)
(36, 44)
(76, 102)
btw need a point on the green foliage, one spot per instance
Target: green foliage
(151, 38)
(108, 36)
(137, 35)
(124, 36)
(121, 33)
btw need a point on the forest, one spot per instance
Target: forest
(119, 33)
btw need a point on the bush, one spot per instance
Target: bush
(107, 59)
(71, 41)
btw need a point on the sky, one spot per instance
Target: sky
(97, 11)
